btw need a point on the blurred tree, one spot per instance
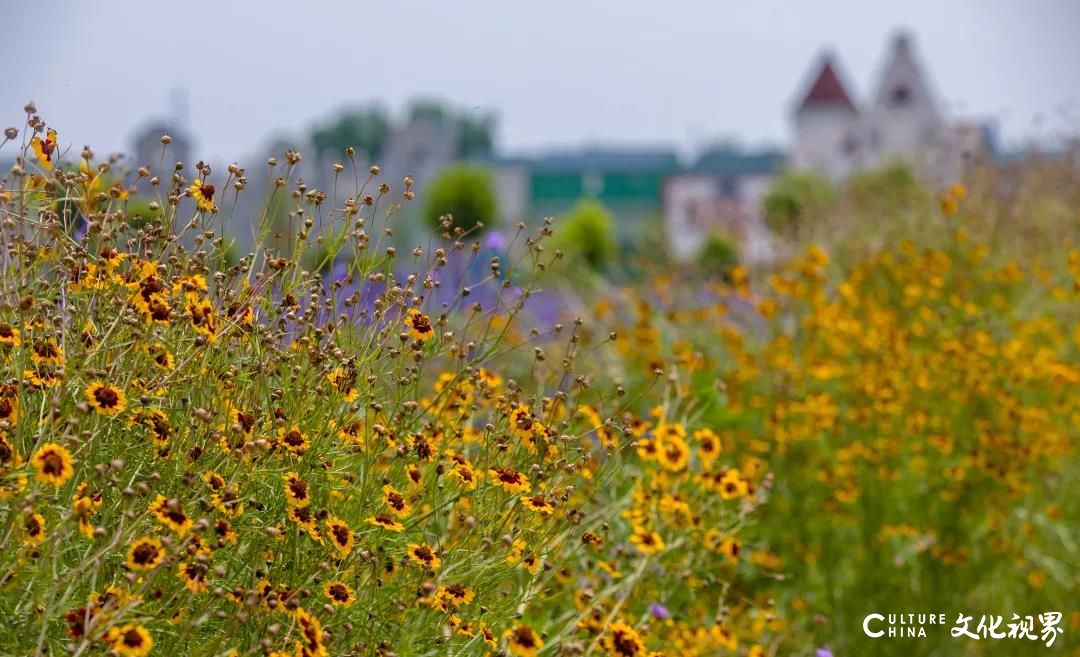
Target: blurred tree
(888, 188)
(475, 131)
(466, 193)
(476, 135)
(718, 256)
(794, 198)
(587, 232)
(366, 129)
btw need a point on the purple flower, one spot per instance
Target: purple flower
(823, 652)
(495, 240)
(660, 611)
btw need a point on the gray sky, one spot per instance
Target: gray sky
(557, 73)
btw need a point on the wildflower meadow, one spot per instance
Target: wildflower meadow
(212, 453)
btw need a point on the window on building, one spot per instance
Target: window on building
(900, 96)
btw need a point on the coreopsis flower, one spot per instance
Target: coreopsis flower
(709, 447)
(193, 574)
(517, 549)
(130, 640)
(145, 553)
(531, 563)
(53, 464)
(45, 148)
(592, 540)
(9, 335)
(450, 598)
(424, 555)
(296, 490)
(171, 514)
(523, 641)
(40, 379)
(673, 453)
(341, 535)
(311, 635)
(305, 518)
(646, 541)
(34, 528)
(339, 593)
(344, 383)
(524, 424)
(397, 503)
(203, 320)
(157, 422)
(293, 440)
(8, 457)
(203, 193)
(386, 521)
(464, 473)
(732, 485)
(161, 356)
(106, 399)
(47, 352)
(9, 402)
(538, 503)
(622, 640)
(419, 325)
(729, 546)
(224, 531)
(510, 480)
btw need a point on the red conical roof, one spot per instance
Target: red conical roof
(827, 90)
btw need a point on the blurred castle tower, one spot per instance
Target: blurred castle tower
(902, 122)
(146, 146)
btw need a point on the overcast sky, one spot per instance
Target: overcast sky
(557, 73)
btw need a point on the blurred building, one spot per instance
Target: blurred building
(146, 147)
(720, 194)
(629, 182)
(837, 136)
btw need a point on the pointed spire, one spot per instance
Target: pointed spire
(827, 90)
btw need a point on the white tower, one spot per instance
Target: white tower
(826, 126)
(904, 121)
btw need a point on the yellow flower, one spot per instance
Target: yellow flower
(463, 473)
(130, 640)
(145, 553)
(341, 535)
(171, 514)
(732, 485)
(106, 399)
(343, 381)
(47, 352)
(449, 598)
(339, 593)
(399, 506)
(53, 464)
(419, 325)
(45, 148)
(35, 528)
(203, 194)
(522, 641)
(673, 452)
(296, 490)
(293, 440)
(647, 542)
(311, 635)
(193, 575)
(385, 521)
(623, 640)
(9, 335)
(538, 503)
(510, 480)
(422, 554)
